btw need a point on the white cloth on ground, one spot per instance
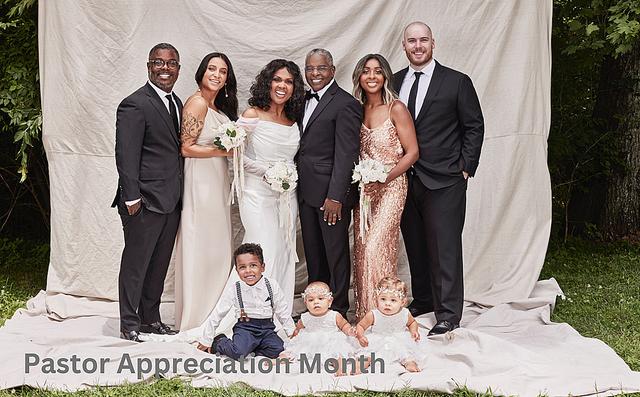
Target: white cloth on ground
(513, 349)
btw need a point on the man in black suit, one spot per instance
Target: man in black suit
(450, 128)
(329, 149)
(149, 192)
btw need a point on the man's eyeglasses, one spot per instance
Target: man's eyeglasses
(321, 69)
(158, 63)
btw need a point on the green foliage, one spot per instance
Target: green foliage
(582, 158)
(19, 80)
(601, 26)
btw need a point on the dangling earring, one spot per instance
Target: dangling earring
(226, 95)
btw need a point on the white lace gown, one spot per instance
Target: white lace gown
(321, 335)
(390, 339)
(204, 240)
(261, 208)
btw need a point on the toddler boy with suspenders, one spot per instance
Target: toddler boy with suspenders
(256, 301)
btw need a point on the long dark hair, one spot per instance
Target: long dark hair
(226, 101)
(261, 89)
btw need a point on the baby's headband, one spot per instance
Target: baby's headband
(317, 290)
(398, 293)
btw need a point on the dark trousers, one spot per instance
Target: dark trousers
(326, 249)
(148, 244)
(254, 336)
(432, 224)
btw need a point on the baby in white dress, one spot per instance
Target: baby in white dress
(321, 330)
(392, 331)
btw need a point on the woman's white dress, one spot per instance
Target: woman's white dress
(261, 208)
(204, 240)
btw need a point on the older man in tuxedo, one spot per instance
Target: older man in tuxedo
(329, 148)
(450, 129)
(149, 192)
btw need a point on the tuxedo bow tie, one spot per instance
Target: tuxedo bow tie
(308, 95)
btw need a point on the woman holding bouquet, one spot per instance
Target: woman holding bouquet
(391, 141)
(204, 241)
(268, 207)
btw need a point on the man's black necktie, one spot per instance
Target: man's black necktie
(412, 95)
(174, 114)
(308, 95)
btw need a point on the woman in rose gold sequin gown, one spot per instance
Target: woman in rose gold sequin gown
(392, 140)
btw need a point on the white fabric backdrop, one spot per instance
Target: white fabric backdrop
(93, 54)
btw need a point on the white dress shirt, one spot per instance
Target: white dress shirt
(423, 85)
(256, 305)
(311, 104)
(163, 95)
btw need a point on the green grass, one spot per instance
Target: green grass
(601, 283)
(23, 272)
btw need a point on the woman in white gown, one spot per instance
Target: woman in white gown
(204, 241)
(269, 217)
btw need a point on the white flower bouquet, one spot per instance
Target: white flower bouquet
(367, 171)
(282, 177)
(231, 137)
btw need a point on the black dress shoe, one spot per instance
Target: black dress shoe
(442, 327)
(418, 311)
(158, 327)
(133, 336)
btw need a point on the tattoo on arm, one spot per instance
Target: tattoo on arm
(191, 129)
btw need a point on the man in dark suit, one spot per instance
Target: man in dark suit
(450, 128)
(149, 192)
(329, 149)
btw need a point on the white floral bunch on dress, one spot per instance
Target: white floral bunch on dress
(367, 171)
(230, 136)
(282, 177)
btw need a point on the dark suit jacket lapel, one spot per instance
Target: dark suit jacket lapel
(179, 102)
(324, 101)
(157, 103)
(398, 78)
(434, 86)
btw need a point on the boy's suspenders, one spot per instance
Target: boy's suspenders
(243, 314)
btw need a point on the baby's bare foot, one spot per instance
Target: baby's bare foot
(411, 366)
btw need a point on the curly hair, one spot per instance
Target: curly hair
(393, 284)
(388, 93)
(227, 103)
(261, 89)
(249, 248)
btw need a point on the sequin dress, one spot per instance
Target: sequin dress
(376, 256)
